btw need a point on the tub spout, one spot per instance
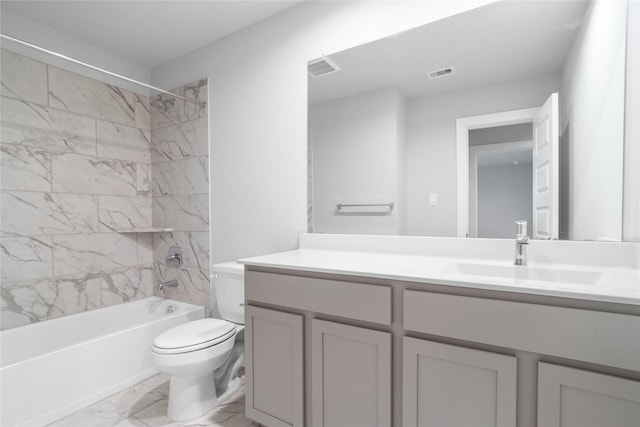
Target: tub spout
(169, 284)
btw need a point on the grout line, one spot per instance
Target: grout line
(61, 109)
(95, 128)
(125, 196)
(51, 170)
(47, 73)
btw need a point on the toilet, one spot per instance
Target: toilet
(202, 357)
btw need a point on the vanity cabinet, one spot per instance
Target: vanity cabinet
(350, 375)
(274, 367)
(445, 385)
(569, 397)
(331, 350)
(346, 374)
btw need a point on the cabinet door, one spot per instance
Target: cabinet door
(569, 397)
(350, 376)
(445, 385)
(274, 369)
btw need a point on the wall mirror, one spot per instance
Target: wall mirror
(514, 110)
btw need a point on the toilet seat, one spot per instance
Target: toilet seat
(193, 336)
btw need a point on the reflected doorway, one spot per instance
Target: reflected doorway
(500, 183)
(543, 127)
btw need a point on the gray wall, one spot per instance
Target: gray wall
(356, 151)
(504, 196)
(431, 147)
(258, 112)
(501, 134)
(592, 123)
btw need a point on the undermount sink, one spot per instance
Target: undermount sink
(525, 273)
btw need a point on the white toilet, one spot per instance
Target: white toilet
(203, 356)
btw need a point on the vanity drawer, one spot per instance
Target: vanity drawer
(359, 301)
(592, 336)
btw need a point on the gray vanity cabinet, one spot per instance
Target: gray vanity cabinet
(346, 374)
(330, 350)
(569, 397)
(274, 367)
(445, 385)
(350, 375)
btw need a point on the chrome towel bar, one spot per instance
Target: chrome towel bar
(342, 205)
(364, 209)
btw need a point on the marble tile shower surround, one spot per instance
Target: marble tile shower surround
(75, 165)
(75, 157)
(180, 189)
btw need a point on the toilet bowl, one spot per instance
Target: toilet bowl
(194, 354)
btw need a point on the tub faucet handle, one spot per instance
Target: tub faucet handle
(174, 259)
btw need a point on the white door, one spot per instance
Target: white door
(546, 171)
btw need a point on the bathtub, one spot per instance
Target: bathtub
(54, 368)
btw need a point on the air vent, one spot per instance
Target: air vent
(321, 67)
(442, 72)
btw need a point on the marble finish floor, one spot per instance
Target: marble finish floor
(145, 405)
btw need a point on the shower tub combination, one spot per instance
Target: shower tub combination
(54, 368)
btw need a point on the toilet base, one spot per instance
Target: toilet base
(191, 397)
(234, 386)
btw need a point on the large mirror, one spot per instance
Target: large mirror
(514, 110)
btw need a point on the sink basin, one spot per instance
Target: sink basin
(526, 273)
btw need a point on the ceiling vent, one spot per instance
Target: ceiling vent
(321, 67)
(442, 72)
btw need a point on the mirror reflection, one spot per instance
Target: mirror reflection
(511, 111)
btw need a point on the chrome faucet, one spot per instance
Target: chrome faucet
(522, 240)
(169, 284)
(174, 259)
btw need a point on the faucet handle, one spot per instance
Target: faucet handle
(521, 227)
(174, 258)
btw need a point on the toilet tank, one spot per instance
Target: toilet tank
(228, 289)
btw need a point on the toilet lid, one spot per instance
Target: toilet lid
(194, 335)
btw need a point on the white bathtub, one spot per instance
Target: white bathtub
(54, 368)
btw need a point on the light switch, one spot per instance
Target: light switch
(433, 199)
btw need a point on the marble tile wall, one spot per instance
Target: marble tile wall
(75, 164)
(180, 189)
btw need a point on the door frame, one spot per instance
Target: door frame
(463, 126)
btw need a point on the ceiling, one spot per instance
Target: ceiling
(149, 33)
(500, 42)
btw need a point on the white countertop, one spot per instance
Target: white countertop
(617, 284)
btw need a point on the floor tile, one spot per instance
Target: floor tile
(145, 405)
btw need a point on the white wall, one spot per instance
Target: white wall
(355, 147)
(431, 147)
(504, 196)
(592, 108)
(258, 111)
(401, 164)
(32, 32)
(631, 209)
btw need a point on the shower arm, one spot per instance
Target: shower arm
(102, 70)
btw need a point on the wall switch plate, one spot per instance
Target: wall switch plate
(433, 199)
